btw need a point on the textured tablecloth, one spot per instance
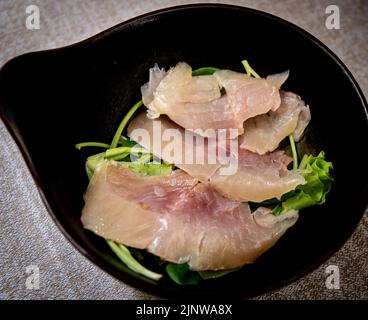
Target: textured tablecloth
(28, 236)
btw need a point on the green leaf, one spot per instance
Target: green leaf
(212, 274)
(181, 274)
(124, 255)
(205, 71)
(127, 143)
(313, 192)
(151, 169)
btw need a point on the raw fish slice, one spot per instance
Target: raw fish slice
(156, 74)
(196, 102)
(254, 177)
(264, 132)
(207, 117)
(109, 209)
(178, 219)
(303, 121)
(248, 97)
(180, 88)
(258, 178)
(182, 151)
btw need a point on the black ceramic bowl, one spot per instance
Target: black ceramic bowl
(53, 99)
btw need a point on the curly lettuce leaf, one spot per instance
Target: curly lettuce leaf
(313, 192)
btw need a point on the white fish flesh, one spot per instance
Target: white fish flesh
(178, 219)
(265, 132)
(256, 178)
(197, 103)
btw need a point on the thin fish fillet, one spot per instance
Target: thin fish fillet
(264, 132)
(197, 103)
(182, 151)
(257, 178)
(178, 219)
(247, 96)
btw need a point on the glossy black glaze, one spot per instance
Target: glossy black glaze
(53, 99)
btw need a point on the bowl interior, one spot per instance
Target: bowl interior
(53, 99)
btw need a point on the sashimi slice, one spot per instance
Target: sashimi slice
(303, 121)
(255, 178)
(178, 219)
(248, 97)
(264, 132)
(258, 178)
(180, 88)
(156, 74)
(170, 142)
(197, 103)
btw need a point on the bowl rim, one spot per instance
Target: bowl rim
(102, 263)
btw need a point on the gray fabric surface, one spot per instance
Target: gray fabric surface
(28, 236)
